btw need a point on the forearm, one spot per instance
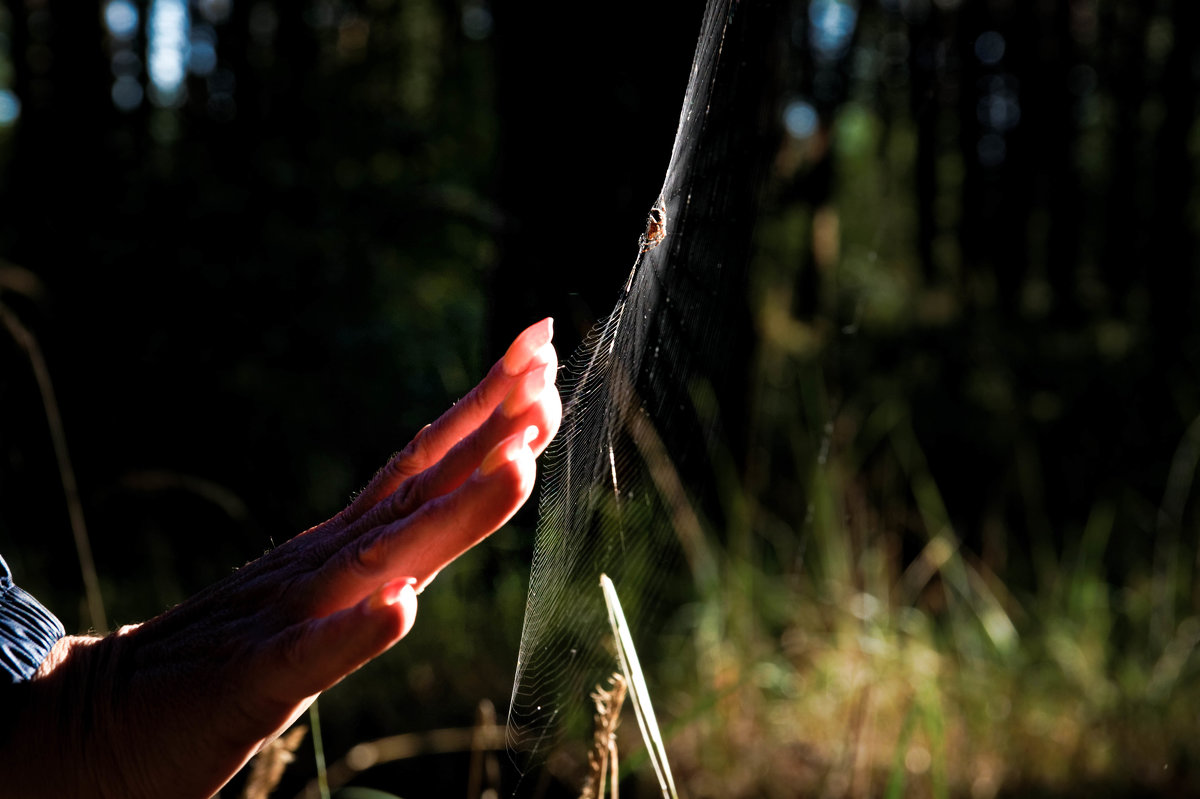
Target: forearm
(127, 716)
(55, 741)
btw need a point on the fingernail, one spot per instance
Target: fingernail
(521, 351)
(524, 393)
(543, 354)
(390, 592)
(507, 450)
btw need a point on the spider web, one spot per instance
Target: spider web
(652, 398)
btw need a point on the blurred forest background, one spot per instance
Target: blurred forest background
(257, 244)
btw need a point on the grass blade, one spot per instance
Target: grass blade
(638, 692)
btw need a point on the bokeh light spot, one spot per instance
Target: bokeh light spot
(854, 130)
(121, 18)
(476, 21)
(800, 119)
(168, 47)
(215, 10)
(832, 24)
(126, 62)
(989, 48)
(202, 57)
(10, 107)
(999, 111)
(127, 93)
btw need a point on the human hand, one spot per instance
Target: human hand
(176, 706)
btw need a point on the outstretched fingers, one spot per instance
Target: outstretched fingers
(531, 354)
(423, 543)
(532, 402)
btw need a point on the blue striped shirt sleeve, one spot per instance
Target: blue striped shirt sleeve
(27, 630)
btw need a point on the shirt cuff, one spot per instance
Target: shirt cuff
(27, 630)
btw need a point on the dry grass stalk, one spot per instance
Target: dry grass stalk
(369, 754)
(639, 694)
(602, 759)
(483, 775)
(270, 762)
(83, 545)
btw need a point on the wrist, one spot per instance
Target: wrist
(60, 737)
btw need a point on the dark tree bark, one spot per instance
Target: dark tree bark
(62, 78)
(1052, 112)
(1170, 261)
(1123, 28)
(925, 107)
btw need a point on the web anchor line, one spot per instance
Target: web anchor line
(606, 506)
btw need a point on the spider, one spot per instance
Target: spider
(656, 228)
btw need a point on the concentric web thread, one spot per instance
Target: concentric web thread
(651, 397)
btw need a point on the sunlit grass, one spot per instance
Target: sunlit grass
(853, 645)
(959, 688)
